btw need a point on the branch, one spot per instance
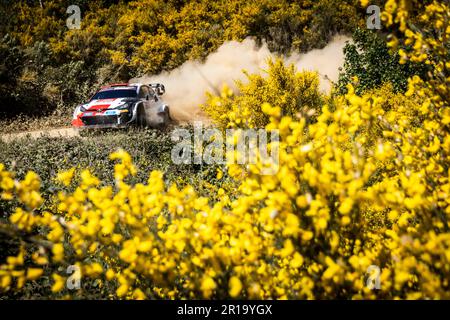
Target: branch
(15, 233)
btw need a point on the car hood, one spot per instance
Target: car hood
(103, 104)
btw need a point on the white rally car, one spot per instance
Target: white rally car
(124, 104)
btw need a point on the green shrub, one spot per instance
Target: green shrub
(368, 58)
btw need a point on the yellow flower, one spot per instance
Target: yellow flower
(219, 174)
(58, 252)
(122, 290)
(288, 248)
(364, 3)
(110, 274)
(34, 273)
(307, 235)
(235, 286)
(139, 295)
(297, 260)
(207, 286)
(59, 283)
(88, 180)
(5, 281)
(346, 206)
(145, 246)
(66, 177)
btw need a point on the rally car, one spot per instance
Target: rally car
(124, 104)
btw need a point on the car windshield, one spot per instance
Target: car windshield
(111, 94)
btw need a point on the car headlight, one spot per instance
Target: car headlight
(78, 110)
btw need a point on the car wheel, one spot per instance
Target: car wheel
(166, 117)
(140, 118)
(165, 120)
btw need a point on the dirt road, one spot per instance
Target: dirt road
(60, 132)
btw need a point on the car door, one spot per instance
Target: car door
(144, 97)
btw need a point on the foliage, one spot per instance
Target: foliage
(151, 150)
(365, 184)
(369, 60)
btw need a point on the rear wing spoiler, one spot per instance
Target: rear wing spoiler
(158, 87)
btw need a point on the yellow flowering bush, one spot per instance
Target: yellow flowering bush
(150, 35)
(283, 87)
(310, 231)
(362, 188)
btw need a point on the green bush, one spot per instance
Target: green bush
(368, 58)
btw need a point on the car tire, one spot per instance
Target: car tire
(141, 121)
(165, 120)
(166, 117)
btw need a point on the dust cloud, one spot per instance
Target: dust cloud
(187, 84)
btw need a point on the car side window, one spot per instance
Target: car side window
(143, 92)
(152, 93)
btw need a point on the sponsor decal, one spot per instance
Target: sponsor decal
(111, 112)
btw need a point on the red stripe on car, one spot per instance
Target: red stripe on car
(97, 107)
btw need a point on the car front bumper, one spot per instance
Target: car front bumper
(104, 119)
